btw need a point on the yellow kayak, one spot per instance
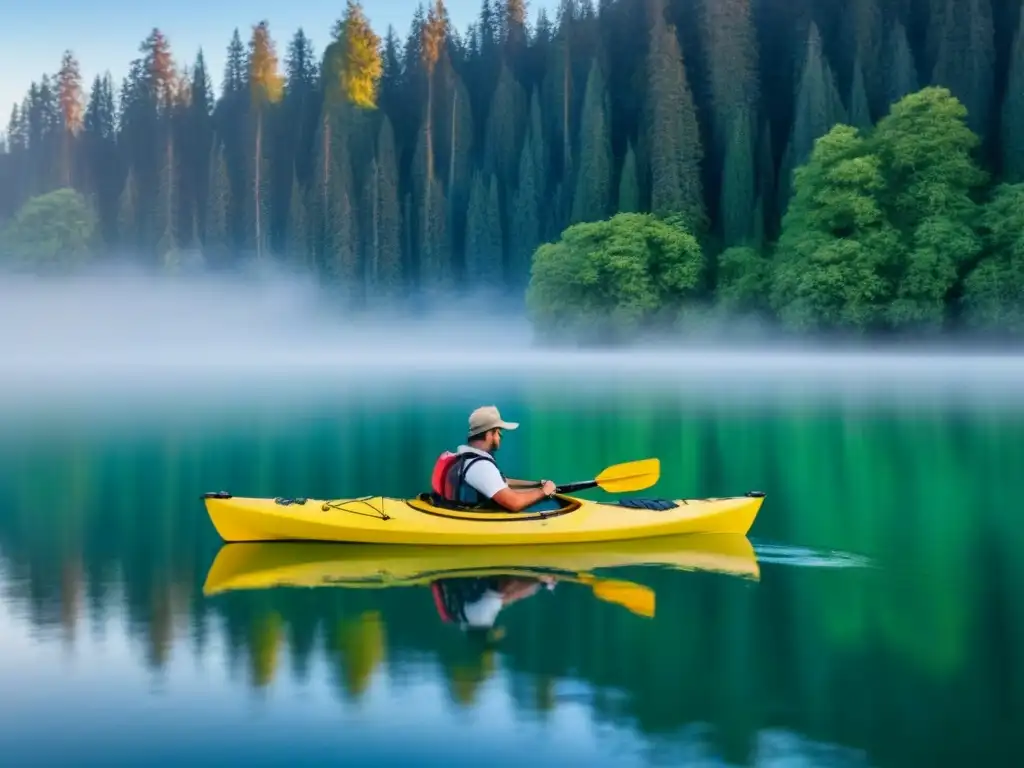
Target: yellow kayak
(416, 521)
(311, 564)
(294, 564)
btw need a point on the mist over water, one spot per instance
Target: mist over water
(122, 330)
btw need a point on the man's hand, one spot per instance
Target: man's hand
(548, 487)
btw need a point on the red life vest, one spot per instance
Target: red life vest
(448, 480)
(439, 477)
(438, 592)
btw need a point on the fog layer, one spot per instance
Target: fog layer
(123, 329)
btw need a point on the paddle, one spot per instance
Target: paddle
(618, 478)
(633, 597)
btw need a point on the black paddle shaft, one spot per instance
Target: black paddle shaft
(582, 485)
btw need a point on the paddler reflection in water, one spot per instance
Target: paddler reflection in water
(470, 477)
(474, 603)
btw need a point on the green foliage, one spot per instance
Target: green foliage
(927, 149)
(610, 280)
(50, 233)
(837, 249)
(881, 228)
(744, 281)
(994, 290)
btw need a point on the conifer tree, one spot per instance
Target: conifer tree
(483, 236)
(818, 108)
(594, 174)
(965, 58)
(266, 88)
(525, 215)
(731, 47)
(901, 72)
(629, 186)
(1013, 111)
(673, 146)
(69, 87)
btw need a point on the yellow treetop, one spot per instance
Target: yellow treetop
(353, 63)
(432, 35)
(69, 85)
(265, 82)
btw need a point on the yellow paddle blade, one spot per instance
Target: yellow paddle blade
(633, 597)
(630, 476)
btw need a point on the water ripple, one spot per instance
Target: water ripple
(807, 557)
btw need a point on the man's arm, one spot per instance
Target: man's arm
(484, 476)
(516, 501)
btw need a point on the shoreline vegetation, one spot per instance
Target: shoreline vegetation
(622, 170)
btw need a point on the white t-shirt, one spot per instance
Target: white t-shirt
(484, 610)
(483, 475)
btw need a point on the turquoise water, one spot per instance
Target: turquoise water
(882, 625)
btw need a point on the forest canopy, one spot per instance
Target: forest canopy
(769, 131)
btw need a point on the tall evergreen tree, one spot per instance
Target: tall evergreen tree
(69, 88)
(1013, 111)
(102, 165)
(594, 174)
(860, 110)
(629, 185)
(525, 214)
(483, 236)
(674, 147)
(731, 46)
(818, 108)
(965, 59)
(217, 234)
(862, 41)
(900, 69)
(266, 88)
(382, 215)
(198, 139)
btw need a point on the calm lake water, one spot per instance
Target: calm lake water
(876, 620)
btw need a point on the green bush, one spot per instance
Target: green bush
(611, 280)
(50, 233)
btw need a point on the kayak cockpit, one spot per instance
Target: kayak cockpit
(426, 504)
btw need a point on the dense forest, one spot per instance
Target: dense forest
(444, 161)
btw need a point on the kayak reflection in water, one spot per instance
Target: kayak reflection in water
(474, 603)
(470, 478)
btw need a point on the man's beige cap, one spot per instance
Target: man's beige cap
(486, 418)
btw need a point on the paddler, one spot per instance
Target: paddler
(474, 603)
(470, 476)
